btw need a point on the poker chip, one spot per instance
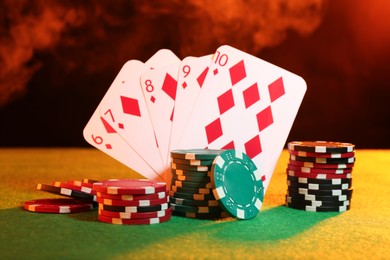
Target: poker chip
(138, 203)
(191, 196)
(217, 215)
(322, 155)
(196, 209)
(323, 176)
(129, 186)
(132, 201)
(191, 190)
(67, 192)
(319, 197)
(335, 181)
(196, 154)
(318, 209)
(132, 209)
(191, 184)
(192, 162)
(135, 215)
(154, 196)
(321, 147)
(334, 192)
(202, 168)
(321, 165)
(347, 160)
(192, 178)
(317, 203)
(319, 176)
(57, 205)
(318, 170)
(210, 184)
(190, 173)
(138, 221)
(238, 184)
(316, 186)
(69, 185)
(187, 202)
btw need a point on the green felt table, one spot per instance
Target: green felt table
(277, 232)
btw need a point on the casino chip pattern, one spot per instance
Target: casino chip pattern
(319, 176)
(212, 184)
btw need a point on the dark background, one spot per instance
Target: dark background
(58, 58)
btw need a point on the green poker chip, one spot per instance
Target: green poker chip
(238, 184)
(196, 154)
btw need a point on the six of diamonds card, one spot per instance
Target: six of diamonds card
(227, 100)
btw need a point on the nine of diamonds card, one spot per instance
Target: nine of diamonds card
(228, 100)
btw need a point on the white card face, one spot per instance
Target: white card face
(162, 57)
(99, 133)
(192, 73)
(159, 88)
(124, 108)
(245, 104)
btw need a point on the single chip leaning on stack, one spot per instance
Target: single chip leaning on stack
(132, 201)
(57, 205)
(238, 184)
(191, 187)
(319, 175)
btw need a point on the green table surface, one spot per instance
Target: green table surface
(277, 232)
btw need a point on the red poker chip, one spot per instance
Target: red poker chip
(317, 170)
(322, 155)
(129, 186)
(70, 186)
(57, 205)
(80, 183)
(321, 165)
(154, 196)
(139, 221)
(135, 215)
(322, 176)
(138, 203)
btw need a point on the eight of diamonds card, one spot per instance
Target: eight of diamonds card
(246, 104)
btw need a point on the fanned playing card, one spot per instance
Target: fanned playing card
(100, 131)
(159, 89)
(246, 104)
(192, 73)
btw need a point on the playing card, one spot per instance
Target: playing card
(100, 134)
(245, 104)
(159, 89)
(124, 108)
(192, 73)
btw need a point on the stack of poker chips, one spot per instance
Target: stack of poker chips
(191, 187)
(80, 195)
(212, 184)
(132, 201)
(319, 175)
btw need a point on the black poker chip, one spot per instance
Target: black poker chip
(323, 160)
(317, 186)
(321, 146)
(319, 181)
(320, 197)
(317, 203)
(304, 191)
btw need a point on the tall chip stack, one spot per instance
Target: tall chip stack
(319, 175)
(212, 184)
(191, 187)
(132, 201)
